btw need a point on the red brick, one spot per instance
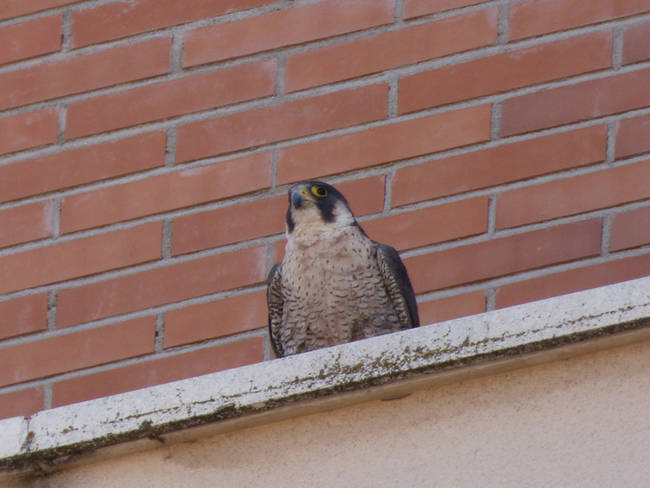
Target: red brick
(582, 101)
(431, 225)
(534, 17)
(23, 315)
(21, 403)
(507, 255)
(165, 192)
(16, 8)
(157, 371)
(384, 144)
(176, 282)
(416, 8)
(262, 218)
(84, 72)
(77, 350)
(284, 28)
(275, 123)
(365, 196)
(170, 98)
(125, 18)
(498, 165)
(29, 39)
(506, 71)
(573, 280)
(80, 257)
(25, 223)
(575, 195)
(630, 229)
(229, 225)
(278, 250)
(636, 47)
(451, 307)
(633, 136)
(215, 319)
(31, 129)
(388, 50)
(83, 165)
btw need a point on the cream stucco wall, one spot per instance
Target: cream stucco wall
(579, 422)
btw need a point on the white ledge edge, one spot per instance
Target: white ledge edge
(51, 436)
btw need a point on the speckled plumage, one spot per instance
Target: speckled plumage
(335, 284)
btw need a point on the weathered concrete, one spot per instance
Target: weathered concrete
(382, 367)
(579, 423)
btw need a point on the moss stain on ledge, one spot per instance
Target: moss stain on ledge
(348, 368)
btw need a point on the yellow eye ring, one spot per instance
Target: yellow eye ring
(319, 191)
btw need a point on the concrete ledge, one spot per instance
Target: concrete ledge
(374, 368)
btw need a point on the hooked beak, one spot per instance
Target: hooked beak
(299, 197)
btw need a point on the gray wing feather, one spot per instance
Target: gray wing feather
(275, 302)
(398, 285)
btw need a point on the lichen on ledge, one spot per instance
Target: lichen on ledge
(381, 367)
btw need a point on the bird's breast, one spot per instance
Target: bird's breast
(334, 293)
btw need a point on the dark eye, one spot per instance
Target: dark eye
(319, 191)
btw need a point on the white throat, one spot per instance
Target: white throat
(309, 226)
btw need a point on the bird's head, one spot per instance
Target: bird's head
(315, 206)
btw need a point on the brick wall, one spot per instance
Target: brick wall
(146, 147)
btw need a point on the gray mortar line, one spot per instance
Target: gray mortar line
(243, 60)
(617, 48)
(451, 291)
(500, 188)
(393, 96)
(503, 23)
(49, 12)
(47, 396)
(51, 310)
(56, 218)
(424, 65)
(275, 156)
(399, 12)
(612, 132)
(167, 239)
(513, 231)
(143, 267)
(606, 234)
(63, 118)
(527, 275)
(160, 333)
(492, 215)
(424, 297)
(176, 52)
(166, 353)
(258, 11)
(171, 136)
(292, 142)
(495, 121)
(314, 45)
(81, 5)
(267, 346)
(275, 101)
(490, 299)
(66, 30)
(202, 207)
(128, 316)
(321, 135)
(388, 192)
(409, 253)
(270, 256)
(280, 74)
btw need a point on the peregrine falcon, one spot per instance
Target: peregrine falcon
(335, 284)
